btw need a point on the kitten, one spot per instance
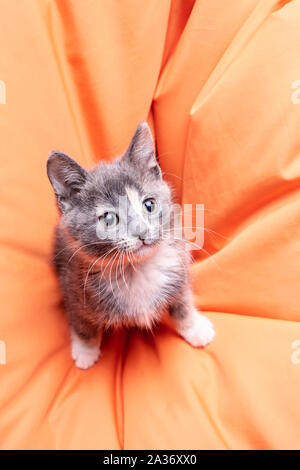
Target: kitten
(117, 261)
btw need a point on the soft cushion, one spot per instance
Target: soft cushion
(215, 82)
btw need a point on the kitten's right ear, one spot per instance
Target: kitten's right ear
(66, 177)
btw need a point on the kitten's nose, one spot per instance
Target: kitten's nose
(146, 241)
(143, 235)
(140, 231)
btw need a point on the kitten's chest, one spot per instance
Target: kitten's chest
(148, 284)
(140, 293)
(152, 285)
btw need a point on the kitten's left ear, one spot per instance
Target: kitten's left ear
(140, 152)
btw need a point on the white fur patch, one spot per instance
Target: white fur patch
(85, 353)
(135, 201)
(195, 328)
(147, 285)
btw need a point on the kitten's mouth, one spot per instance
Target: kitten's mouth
(149, 242)
(144, 246)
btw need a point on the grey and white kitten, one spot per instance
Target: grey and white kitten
(118, 262)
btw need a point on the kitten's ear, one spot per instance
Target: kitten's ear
(140, 152)
(66, 177)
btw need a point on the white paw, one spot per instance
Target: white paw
(200, 333)
(85, 354)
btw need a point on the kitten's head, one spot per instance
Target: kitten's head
(121, 205)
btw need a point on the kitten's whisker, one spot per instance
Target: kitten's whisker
(67, 247)
(172, 174)
(103, 272)
(205, 229)
(105, 256)
(110, 272)
(108, 263)
(210, 256)
(122, 269)
(117, 268)
(203, 208)
(83, 246)
(164, 154)
(85, 281)
(78, 249)
(89, 270)
(124, 277)
(130, 259)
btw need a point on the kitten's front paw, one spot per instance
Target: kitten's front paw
(85, 355)
(200, 333)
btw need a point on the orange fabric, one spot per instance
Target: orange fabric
(215, 82)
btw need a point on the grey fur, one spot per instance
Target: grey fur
(107, 293)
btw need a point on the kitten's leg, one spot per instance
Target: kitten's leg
(85, 347)
(195, 328)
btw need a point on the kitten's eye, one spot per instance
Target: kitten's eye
(110, 219)
(149, 205)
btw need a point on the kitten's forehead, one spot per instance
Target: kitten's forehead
(111, 181)
(134, 198)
